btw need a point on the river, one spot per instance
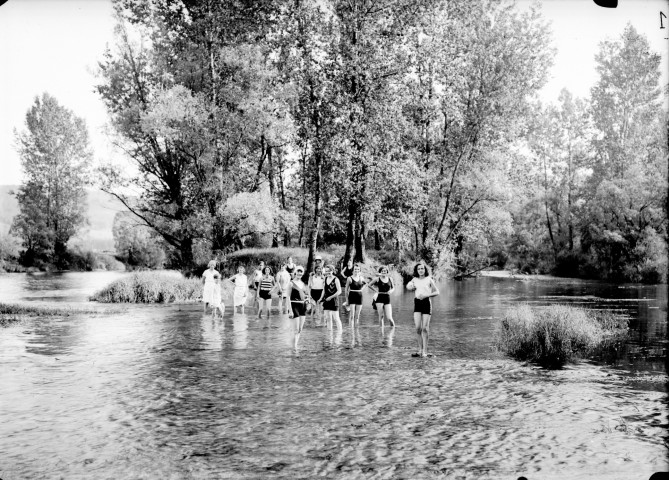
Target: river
(163, 392)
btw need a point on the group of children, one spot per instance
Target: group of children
(320, 295)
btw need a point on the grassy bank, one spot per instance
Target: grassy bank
(151, 287)
(15, 312)
(555, 335)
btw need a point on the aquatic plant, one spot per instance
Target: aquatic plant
(15, 312)
(556, 334)
(151, 287)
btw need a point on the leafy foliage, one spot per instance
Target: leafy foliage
(135, 243)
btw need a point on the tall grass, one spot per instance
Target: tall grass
(555, 335)
(151, 287)
(14, 312)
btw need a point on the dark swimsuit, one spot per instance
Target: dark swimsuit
(355, 292)
(330, 289)
(296, 302)
(384, 288)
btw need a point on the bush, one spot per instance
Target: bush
(151, 287)
(87, 261)
(554, 335)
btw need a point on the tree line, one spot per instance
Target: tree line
(406, 125)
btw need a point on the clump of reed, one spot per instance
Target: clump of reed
(15, 312)
(556, 334)
(151, 287)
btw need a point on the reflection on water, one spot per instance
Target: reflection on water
(167, 392)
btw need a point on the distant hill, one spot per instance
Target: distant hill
(101, 209)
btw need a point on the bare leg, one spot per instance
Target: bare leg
(352, 314)
(337, 320)
(388, 312)
(425, 333)
(298, 323)
(418, 321)
(379, 312)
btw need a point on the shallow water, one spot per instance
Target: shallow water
(164, 392)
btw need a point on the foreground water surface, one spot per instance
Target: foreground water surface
(165, 392)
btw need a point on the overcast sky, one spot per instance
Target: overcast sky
(53, 46)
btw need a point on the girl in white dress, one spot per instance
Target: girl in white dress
(208, 281)
(216, 301)
(425, 288)
(241, 289)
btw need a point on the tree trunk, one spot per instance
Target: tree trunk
(303, 213)
(313, 239)
(261, 162)
(186, 253)
(350, 226)
(377, 239)
(548, 219)
(359, 237)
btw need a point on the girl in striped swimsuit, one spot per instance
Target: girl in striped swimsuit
(266, 287)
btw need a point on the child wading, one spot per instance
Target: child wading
(216, 301)
(208, 281)
(331, 290)
(283, 280)
(424, 288)
(297, 294)
(383, 284)
(241, 289)
(316, 281)
(266, 288)
(354, 285)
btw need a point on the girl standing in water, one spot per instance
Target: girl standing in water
(208, 281)
(217, 304)
(331, 290)
(283, 278)
(297, 294)
(425, 288)
(241, 289)
(266, 287)
(384, 287)
(316, 289)
(354, 285)
(290, 265)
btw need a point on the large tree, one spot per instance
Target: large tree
(627, 222)
(473, 68)
(193, 99)
(55, 157)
